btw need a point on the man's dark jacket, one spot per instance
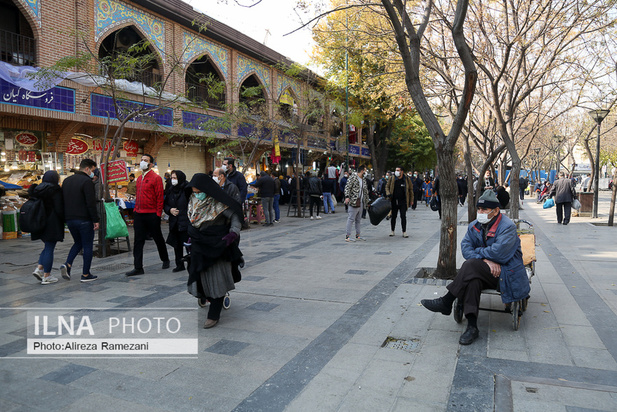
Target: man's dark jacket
(238, 179)
(79, 198)
(266, 186)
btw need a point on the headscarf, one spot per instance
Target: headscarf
(51, 176)
(181, 180)
(216, 200)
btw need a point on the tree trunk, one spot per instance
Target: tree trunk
(471, 207)
(446, 264)
(378, 144)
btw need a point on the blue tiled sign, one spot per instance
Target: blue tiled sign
(57, 98)
(103, 106)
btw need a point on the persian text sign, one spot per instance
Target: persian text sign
(131, 148)
(76, 147)
(117, 171)
(56, 98)
(97, 146)
(26, 139)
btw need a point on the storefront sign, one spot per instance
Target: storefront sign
(57, 98)
(97, 146)
(366, 152)
(26, 139)
(103, 106)
(354, 150)
(131, 147)
(76, 147)
(117, 171)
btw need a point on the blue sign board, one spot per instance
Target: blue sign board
(355, 150)
(366, 152)
(200, 121)
(103, 106)
(59, 99)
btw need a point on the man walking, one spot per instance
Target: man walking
(328, 186)
(417, 189)
(148, 209)
(356, 197)
(399, 189)
(461, 184)
(238, 179)
(313, 187)
(81, 217)
(265, 184)
(342, 185)
(232, 190)
(564, 192)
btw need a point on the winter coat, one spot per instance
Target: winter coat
(427, 188)
(239, 180)
(313, 186)
(502, 246)
(563, 190)
(352, 190)
(328, 185)
(150, 195)
(408, 188)
(79, 198)
(266, 186)
(177, 197)
(54, 208)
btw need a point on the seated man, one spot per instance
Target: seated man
(494, 261)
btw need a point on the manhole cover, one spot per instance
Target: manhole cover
(114, 267)
(408, 345)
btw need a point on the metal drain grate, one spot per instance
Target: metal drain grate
(408, 345)
(114, 267)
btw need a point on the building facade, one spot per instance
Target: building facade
(58, 126)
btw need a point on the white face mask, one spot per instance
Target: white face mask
(174, 182)
(224, 167)
(397, 173)
(217, 180)
(483, 218)
(143, 165)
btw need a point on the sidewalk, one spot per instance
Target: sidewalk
(318, 324)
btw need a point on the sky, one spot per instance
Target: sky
(276, 16)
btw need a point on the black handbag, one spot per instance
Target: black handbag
(378, 210)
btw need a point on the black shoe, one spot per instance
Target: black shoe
(469, 335)
(135, 272)
(165, 264)
(436, 305)
(565, 223)
(178, 269)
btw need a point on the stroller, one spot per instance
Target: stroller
(202, 301)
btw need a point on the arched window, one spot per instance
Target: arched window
(124, 55)
(252, 95)
(204, 84)
(17, 44)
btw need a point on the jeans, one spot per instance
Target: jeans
(328, 204)
(266, 204)
(275, 206)
(354, 215)
(83, 238)
(46, 259)
(147, 224)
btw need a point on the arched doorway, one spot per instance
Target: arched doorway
(117, 54)
(204, 84)
(17, 43)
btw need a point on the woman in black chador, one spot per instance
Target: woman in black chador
(215, 223)
(176, 205)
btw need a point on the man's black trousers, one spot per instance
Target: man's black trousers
(399, 205)
(467, 286)
(144, 224)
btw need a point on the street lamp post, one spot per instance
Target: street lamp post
(598, 116)
(537, 150)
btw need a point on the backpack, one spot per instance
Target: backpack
(32, 216)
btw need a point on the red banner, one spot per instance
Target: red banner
(76, 147)
(97, 145)
(117, 171)
(26, 139)
(131, 148)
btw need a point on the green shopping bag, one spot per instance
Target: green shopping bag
(116, 227)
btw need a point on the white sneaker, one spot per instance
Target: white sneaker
(392, 233)
(348, 239)
(318, 217)
(312, 218)
(48, 280)
(405, 234)
(38, 273)
(358, 237)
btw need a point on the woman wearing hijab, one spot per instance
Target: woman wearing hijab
(176, 206)
(51, 193)
(215, 223)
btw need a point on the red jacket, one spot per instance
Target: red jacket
(149, 197)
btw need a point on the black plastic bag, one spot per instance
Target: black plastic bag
(378, 210)
(435, 204)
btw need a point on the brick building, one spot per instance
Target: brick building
(57, 127)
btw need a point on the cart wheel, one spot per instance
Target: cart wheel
(516, 314)
(457, 310)
(525, 302)
(202, 302)
(226, 302)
